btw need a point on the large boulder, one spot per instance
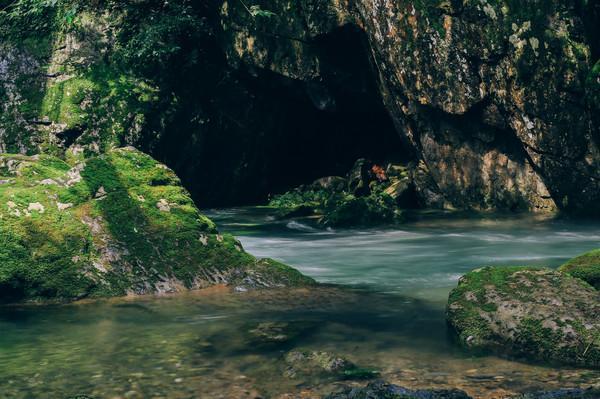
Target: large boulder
(539, 314)
(116, 224)
(585, 267)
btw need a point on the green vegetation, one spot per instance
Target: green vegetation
(364, 197)
(101, 80)
(118, 223)
(585, 267)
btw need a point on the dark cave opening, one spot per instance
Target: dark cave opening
(322, 128)
(262, 134)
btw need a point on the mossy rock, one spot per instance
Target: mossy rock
(539, 314)
(116, 224)
(585, 267)
(364, 197)
(303, 364)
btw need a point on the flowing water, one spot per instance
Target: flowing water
(383, 309)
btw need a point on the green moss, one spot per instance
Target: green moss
(124, 225)
(292, 276)
(468, 301)
(593, 86)
(63, 101)
(585, 267)
(525, 311)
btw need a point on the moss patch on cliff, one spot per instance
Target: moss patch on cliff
(585, 267)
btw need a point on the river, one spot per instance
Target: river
(382, 308)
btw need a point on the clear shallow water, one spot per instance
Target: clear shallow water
(386, 313)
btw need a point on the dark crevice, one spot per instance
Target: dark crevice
(69, 136)
(262, 134)
(591, 21)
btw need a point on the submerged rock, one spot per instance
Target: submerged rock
(115, 243)
(315, 363)
(275, 333)
(540, 314)
(383, 390)
(585, 267)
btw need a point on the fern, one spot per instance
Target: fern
(256, 11)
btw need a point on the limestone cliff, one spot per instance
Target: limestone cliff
(495, 103)
(495, 97)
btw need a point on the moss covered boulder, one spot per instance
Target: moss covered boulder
(116, 224)
(585, 267)
(369, 194)
(539, 314)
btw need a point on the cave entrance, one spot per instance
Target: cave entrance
(330, 124)
(263, 134)
(321, 128)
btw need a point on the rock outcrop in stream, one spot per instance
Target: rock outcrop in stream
(115, 224)
(535, 313)
(369, 194)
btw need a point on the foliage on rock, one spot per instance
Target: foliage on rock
(367, 195)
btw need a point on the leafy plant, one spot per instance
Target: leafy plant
(256, 10)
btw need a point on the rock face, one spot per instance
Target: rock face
(538, 313)
(495, 97)
(585, 267)
(495, 102)
(114, 224)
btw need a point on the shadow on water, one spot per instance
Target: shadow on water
(329, 311)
